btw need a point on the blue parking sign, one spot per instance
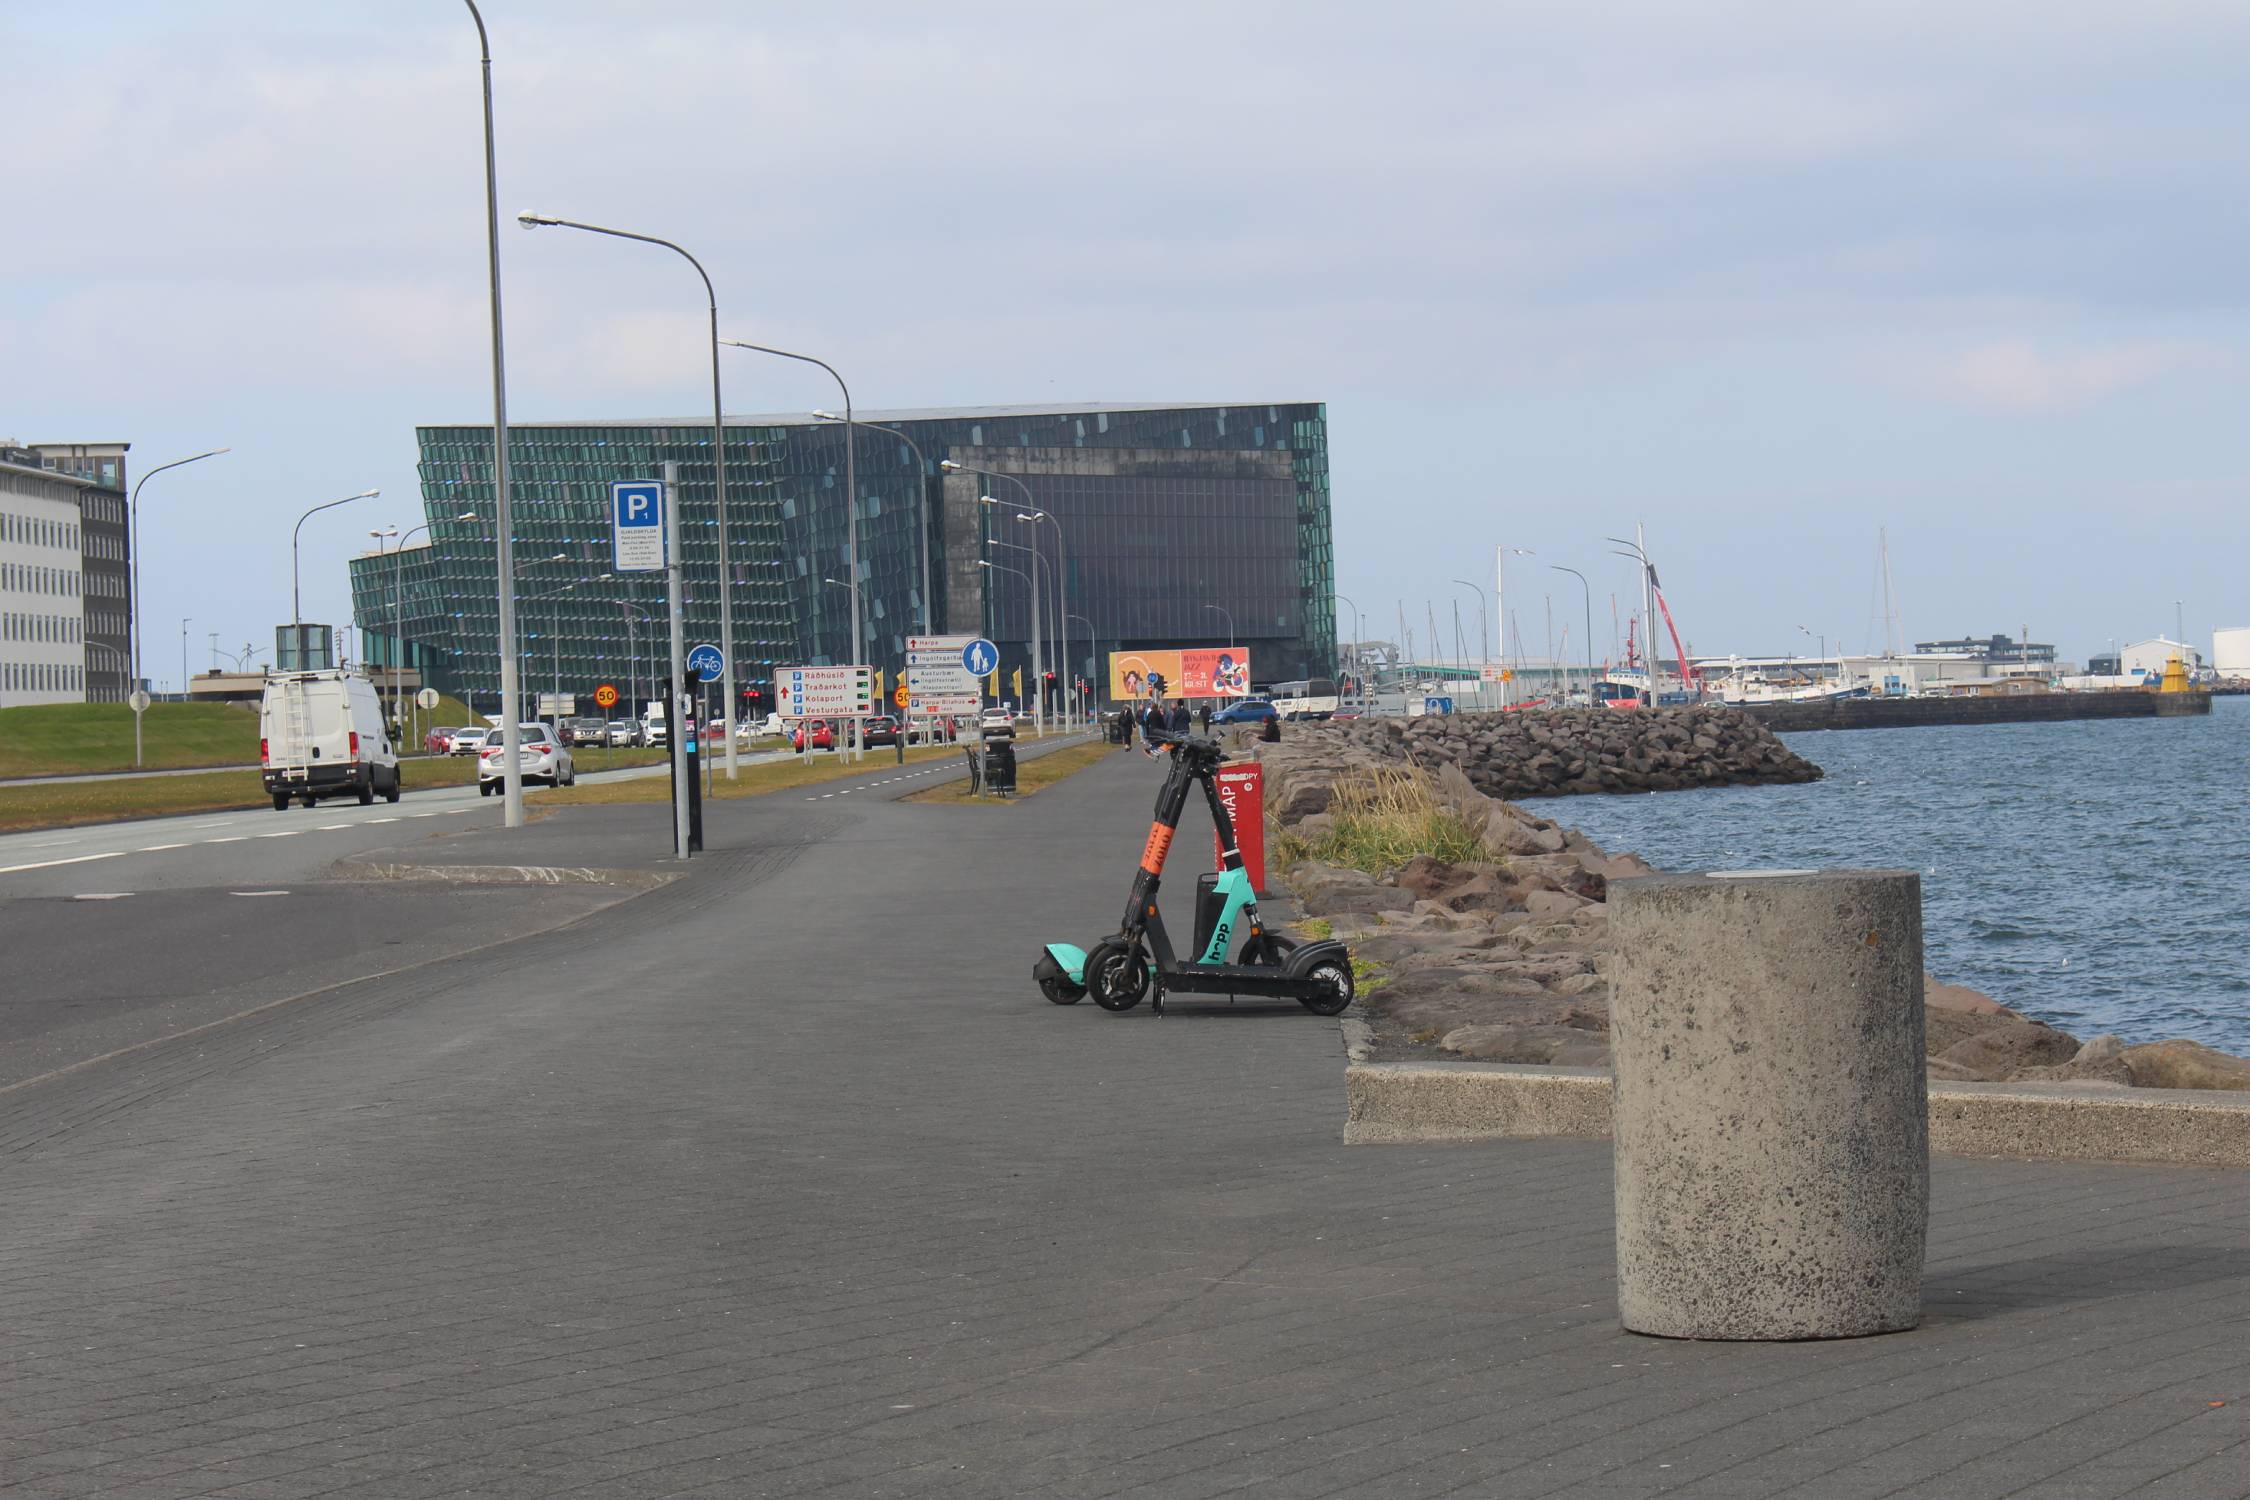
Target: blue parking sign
(636, 526)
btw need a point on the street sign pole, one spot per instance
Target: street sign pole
(677, 712)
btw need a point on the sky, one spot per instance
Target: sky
(1766, 279)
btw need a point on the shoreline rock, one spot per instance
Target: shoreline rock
(1505, 958)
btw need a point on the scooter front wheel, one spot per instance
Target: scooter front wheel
(1116, 976)
(1331, 992)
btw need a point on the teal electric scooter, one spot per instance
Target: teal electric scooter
(1120, 970)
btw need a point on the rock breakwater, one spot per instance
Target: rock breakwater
(1503, 956)
(1557, 752)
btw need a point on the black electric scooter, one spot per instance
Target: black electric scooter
(1118, 972)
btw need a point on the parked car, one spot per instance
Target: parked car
(882, 730)
(623, 732)
(467, 741)
(585, 731)
(823, 735)
(321, 734)
(439, 741)
(540, 755)
(1248, 711)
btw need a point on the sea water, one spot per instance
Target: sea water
(2093, 874)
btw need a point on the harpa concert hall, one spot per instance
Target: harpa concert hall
(1180, 526)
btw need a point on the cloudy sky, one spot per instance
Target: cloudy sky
(1763, 277)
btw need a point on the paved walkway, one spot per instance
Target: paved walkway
(784, 1180)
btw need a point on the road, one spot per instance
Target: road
(783, 1180)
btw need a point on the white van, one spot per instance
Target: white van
(321, 734)
(653, 728)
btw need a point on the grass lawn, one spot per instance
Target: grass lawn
(68, 804)
(60, 739)
(1032, 776)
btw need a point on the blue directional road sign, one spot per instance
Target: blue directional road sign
(706, 662)
(636, 526)
(980, 658)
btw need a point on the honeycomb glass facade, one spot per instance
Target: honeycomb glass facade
(1178, 524)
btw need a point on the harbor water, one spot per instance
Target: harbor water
(2095, 875)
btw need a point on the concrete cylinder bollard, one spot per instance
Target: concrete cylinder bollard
(1771, 1109)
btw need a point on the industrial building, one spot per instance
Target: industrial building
(1179, 525)
(2230, 652)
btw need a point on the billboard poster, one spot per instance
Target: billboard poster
(1203, 672)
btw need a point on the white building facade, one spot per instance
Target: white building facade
(2230, 651)
(2147, 659)
(42, 600)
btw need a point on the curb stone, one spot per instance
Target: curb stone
(1421, 1103)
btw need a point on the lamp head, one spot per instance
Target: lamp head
(986, 500)
(826, 416)
(530, 220)
(467, 515)
(949, 466)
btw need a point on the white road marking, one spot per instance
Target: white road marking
(379, 820)
(54, 843)
(330, 827)
(238, 838)
(48, 864)
(257, 893)
(158, 848)
(286, 833)
(421, 815)
(102, 896)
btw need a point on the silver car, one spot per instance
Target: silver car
(540, 755)
(468, 741)
(621, 732)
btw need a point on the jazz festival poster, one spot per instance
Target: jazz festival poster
(1207, 672)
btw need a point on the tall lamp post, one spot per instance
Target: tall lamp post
(1033, 508)
(851, 491)
(184, 623)
(531, 220)
(1020, 573)
(1038, 639)
(296, 595)
(1587, 590)
(133, 518)
(1085, 706)
(504, 528)
(1222, 609)
(921, 494)
(1058, 604)
(1484, 636)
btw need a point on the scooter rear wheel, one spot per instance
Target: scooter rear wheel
(1116, 976)
(1333, 992)
(1062, 991)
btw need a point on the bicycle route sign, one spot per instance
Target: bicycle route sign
(707, 663)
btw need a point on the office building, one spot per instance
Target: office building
(1996, 649)
(42, 607)
(1181, 525)
(108, 561)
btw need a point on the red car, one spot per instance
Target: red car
(439, 741)
(823, 735)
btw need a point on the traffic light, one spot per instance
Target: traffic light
(1156, 684)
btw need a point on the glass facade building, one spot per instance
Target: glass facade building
(1180, 526)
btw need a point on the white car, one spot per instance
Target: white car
(621, 732)
(468, 741)
(539, 754)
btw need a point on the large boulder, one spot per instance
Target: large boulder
(2101, 1060)
(1998, 1052)
(1562, 1046)
(2182, 1064)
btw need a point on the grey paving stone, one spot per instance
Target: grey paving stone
(784, 1180)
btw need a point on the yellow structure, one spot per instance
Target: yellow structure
(2175, 677)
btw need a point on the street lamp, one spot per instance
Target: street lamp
(1020, 573)
(1809, 635)
(1222, 609)
(184, 623)
(133, 517)
(851, 492)
(1587, 590)
(1062, 560)
(530, 220)
(296, 600)
(1038, 640)
(921, 494)
(504, 552)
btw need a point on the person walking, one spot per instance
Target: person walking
(1203, 718)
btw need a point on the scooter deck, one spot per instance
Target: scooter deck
(1238, 979)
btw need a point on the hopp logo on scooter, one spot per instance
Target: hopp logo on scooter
(1120, 969)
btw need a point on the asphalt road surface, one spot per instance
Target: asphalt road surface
(783, 1179)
